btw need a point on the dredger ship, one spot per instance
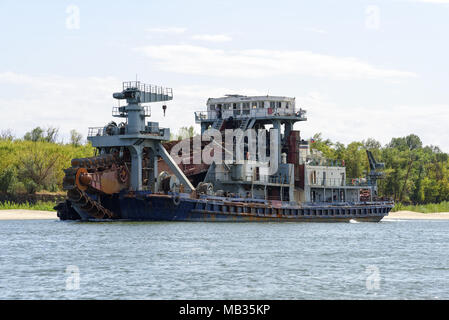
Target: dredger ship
(134, 175)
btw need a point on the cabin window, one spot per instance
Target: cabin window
(287, 105)
(272, 104)
(234, 106)
(261, 104)
(245, 105)
(279, 104)
(212, 107)
(254, 105)
(226, 106)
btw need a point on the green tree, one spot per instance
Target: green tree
(186, 133)
(75, 138)
(7, 179)
(6, 135)
(37, 134)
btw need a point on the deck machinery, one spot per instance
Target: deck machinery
(134, 177)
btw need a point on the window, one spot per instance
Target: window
(287, 105)
(245, 105)
(254, 105)
(234, 106)
(261, 104)
(278, 104)
(226, 106)
(212, 107)
(272, 104)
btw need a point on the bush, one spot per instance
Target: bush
(31, 187)
(7, 180)
(40, 205)
(423, 208)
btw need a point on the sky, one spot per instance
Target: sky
(361, 69)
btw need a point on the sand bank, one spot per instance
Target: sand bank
(407, 215)
(19, 214)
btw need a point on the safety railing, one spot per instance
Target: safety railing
(149, 88)
(247, 113)
(332, 182)
(95, 131)
(324, 162)
(121, 111)
(338, 182)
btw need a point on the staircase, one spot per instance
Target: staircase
(218, 124)
(244, 124)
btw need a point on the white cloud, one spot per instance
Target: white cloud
(197, 60)
(81, 102)
(78, 103)
(63, 102)
(212, 37)
(167, 30)
(356, 123)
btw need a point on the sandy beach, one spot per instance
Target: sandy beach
(408, 215)
(19, 214)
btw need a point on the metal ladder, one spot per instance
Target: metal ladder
(218, 124)
(244, 124)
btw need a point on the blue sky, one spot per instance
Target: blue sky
(362, 69)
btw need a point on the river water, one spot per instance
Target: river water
(45, 259)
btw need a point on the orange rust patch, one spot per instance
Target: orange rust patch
(81, 186)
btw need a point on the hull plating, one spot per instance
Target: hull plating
(167, 208)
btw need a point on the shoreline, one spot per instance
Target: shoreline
(22, 214)
(411, 215)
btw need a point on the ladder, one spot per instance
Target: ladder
(218, 124)
(244, 124)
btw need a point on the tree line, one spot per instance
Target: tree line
(36, 161)
(414, 173)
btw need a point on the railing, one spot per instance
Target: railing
(323, 162)
(95, 131)
(204, 115)
(277, 179)
(148, 88)
(121, 111)
(252, 113)
(267, 179)
(331, 182)
(360, 182)
(338, 182)
(153, 127)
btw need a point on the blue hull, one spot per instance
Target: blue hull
(154, 207)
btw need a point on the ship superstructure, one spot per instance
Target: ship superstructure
(304, 174)
(278, 176)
